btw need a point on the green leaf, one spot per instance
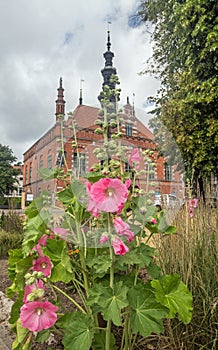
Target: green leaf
(66, 195)
(24, 338)
(163, 226)
(174, 294)
(146, 313)
(15, 311)
(43, 336)
(99, 264)
(59, 273)
(141, 255)
(30, 238)
(48, 174)
(78, 333)
(57, 251)
(99, 341)
(110, 302)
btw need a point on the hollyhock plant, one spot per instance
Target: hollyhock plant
(134, 158)
(91, 266)
(38, 284)
(104, 238)
(38, 315)
(193, 202)
(123, 229)
(43, 264)
(191, 212)
(119, 246)
(107, 195)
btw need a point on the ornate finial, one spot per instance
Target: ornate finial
(60, 82)
(108, 36)
(81, 92)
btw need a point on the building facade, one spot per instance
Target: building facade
(47, 152)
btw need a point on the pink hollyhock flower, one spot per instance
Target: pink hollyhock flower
(153, 221)
(103, 239)
(191, 212)
(61, 232)
(38, 249)
(119, 247)
(107, 195)
(29, 289)
(128, 183)
(38, 315)
(134, 158)
(43, 264)
(44, 238)
(122, 228)
(193, 202)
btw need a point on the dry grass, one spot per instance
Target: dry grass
(192, 253)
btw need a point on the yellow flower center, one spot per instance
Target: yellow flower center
(39, 311)
(110, 192)
(44, 265)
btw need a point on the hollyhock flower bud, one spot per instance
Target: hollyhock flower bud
(191, 212)
(104, 238)
(153, 221)
(193, 202)
(38, 284)
(38, 315)
(119, 247)
(122, 228)
(134, 158)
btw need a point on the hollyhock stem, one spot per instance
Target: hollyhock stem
(72, 300)
(108, 329)
(82, 258)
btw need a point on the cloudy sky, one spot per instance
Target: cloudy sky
(43, 40)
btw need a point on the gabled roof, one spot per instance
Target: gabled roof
(86, 116)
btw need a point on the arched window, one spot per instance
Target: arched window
(49, 160)
(41, 163)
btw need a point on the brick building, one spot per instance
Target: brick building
(45, 152)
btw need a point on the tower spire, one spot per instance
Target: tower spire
(60, 103)
(108, 69)
(81, 93)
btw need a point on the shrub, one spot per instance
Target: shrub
(12, 222)
(9, 240)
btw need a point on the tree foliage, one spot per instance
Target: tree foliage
(185, 59)
(7, 172)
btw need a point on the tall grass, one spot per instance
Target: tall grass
(192, 253)
(11, 231)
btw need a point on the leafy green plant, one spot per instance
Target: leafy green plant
(99, 245)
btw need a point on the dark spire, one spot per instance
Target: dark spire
(81, 93)
(60, 103)
(108, 69)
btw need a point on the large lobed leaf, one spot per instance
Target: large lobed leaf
(78, 332)
(174, 294)
(110, 301)
(146, 313)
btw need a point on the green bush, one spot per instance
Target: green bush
(9, 240)
(11, 221)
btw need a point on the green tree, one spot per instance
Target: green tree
(185, 59)
(7, 172)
